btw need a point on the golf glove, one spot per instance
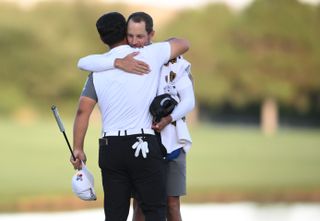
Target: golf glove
(142, 146)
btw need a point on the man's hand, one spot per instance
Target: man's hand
(80, 156)
(163, 122)
(131, 65)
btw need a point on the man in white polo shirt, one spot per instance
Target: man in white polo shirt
(124, 101)
(175, 79)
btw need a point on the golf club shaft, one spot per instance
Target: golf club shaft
(61, 127)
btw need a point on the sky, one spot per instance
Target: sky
(177, 4)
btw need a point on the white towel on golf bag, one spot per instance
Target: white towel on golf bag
(175, 137)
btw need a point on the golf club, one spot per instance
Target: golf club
(61, 127)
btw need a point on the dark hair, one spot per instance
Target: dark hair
(142, 16)
(112, 28)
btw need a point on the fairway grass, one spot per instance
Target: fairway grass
(225, 163)
(240, 163)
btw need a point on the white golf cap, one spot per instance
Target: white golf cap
(83, 184)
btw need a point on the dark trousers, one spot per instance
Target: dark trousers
(123, 173)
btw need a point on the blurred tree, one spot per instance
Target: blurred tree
(206, 30)
(40, 48)
(267, 53)
(270, 51)
(277, 41)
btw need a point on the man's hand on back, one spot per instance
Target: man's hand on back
(131, 65)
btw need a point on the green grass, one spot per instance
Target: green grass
(35, 161)
(242, 160)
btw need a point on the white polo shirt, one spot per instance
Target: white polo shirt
(124, 98)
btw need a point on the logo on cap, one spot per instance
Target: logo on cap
(79, 177)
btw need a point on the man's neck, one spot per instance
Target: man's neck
(123, 42)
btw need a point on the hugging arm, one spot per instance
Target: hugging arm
(186, 104)
(178, 47)
(96, 63)
(103, 62)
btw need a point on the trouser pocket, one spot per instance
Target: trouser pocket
(103, 151)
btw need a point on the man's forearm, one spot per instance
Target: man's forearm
(81, 122)
(178, 47)
(96, 63)
(80, 127)
(104, 62)
(186, 104)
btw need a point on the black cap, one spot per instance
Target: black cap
(162, 106)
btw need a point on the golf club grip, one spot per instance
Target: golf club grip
(58, 119)
(61, 127)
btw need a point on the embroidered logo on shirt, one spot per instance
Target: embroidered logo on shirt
(172, 61)
(172, 75)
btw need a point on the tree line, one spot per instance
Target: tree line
(269, 51)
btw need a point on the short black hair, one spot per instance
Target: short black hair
(142, 16)
(112, 28)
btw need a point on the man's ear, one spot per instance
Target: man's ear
(152, 34)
